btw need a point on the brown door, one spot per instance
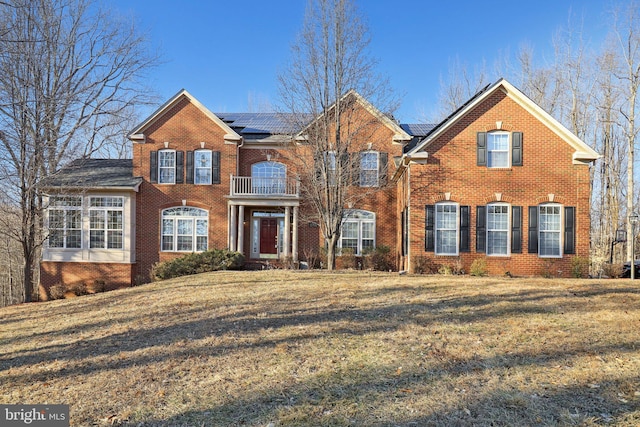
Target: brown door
(268, 236)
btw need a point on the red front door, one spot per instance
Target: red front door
(268, 236)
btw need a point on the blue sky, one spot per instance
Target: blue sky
(228, 53)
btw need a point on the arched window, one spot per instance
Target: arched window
(358, 231)
(185, 229)
(268, 177)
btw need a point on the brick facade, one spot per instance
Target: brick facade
(448, 172)
(548, 174)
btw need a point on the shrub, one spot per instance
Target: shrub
(57, 291)
(78, 289)
(579, 267)
(613, 271)
(200, 262)
(379, 259)
(424, 265)
(96, 286)
(478, 267)
(348, 259)
(445, 269)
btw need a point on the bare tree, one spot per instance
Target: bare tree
(627, 31)
(330, 66)
(459, 85)
(69, 77)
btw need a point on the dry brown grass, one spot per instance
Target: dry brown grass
(312, 348)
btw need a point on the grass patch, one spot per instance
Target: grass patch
(315, 348)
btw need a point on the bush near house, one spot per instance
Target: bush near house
(379, 259)
(201, 262)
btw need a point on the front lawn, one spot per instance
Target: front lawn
(310, 348)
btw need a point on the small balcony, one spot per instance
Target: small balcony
(258, 187)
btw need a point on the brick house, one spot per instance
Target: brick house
(499, 179)
(458, 190)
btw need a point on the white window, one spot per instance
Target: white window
(65, 222)
(447, 229)
(202, 167)
(550, 231)
(498, 229)
(268, 177)
(166, 167)
(369, 166)
(330, 161)
(358, 231)
(498, 149)
(185, 229)
(106, 222)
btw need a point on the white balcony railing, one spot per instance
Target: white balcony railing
(253, 186)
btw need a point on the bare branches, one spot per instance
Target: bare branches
(70, 76)
(330, 63)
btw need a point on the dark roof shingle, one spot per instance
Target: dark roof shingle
(94, 173)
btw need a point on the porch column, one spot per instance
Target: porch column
(287, 231)
(241, 228)
(294, 248)
(233, 228)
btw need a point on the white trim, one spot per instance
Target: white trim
(137, 134)
(360, 222)
(583, 153)
(560, 231)
(457, 229)
(509, 225)
(126, 255)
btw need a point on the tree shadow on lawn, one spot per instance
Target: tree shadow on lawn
(251, 329)
(365, 398)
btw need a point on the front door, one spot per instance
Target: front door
(268, 235)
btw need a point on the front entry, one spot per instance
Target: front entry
(267, 229)
(268, 236)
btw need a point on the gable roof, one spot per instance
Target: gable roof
(137, 134)
(583, 153)
(103, 174)
(400, 135)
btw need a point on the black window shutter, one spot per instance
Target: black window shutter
(481, 228)
(464, 229)
(516, 149)
(215, 167)
(533, 229)
(429, 222)
(179, 167)
(153, 167)
(382, 169)
(516, 229)
(190, 176)
(405, 234)
(356, 159)
(317, 164)
(569, 230)
(481, 148)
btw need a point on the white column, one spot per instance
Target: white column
(233, 240)
(294, 248)
(287, 231)
(241, 228)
